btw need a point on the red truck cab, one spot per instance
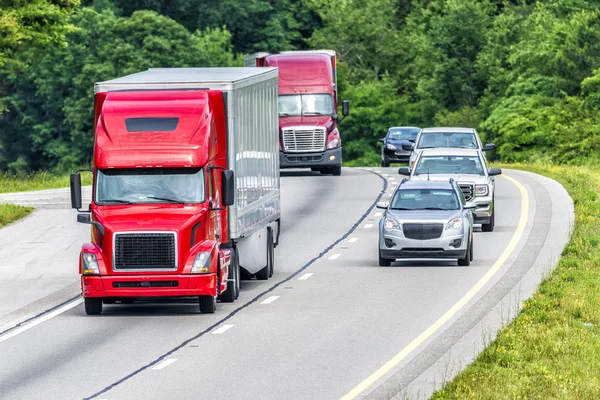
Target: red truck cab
(309, 135)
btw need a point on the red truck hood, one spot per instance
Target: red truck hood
(318, 120)
(149, 217)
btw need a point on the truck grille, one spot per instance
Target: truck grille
(467, 190)
(145, 251)
(422, 231)
(299, 140)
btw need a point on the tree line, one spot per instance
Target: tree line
(525, 73)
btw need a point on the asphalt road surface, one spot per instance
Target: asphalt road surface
(331, 323)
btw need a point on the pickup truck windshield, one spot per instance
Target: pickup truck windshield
(469, 165)
(149, 185)
(430, 140)
(305, 104)
(425, 199)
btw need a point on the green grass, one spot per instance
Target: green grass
(11, 212)
(552, 349)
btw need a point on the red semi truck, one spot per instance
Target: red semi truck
(308, 104)
(185, 193)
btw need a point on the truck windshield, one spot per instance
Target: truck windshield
(425, 199)
(149, 185)
(305, 104)
(447, 139)
(469, 165)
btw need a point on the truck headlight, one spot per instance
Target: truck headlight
(333, 143)
(392, 225)
(456, 224)
(481, 190)
(202, 263)
(391, 147)
(90, 264)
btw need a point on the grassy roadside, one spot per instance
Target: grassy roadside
(38, 181)
(552, 349)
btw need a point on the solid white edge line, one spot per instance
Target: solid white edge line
(305, 276)
(222, 329)
(164, 364)
(334, 256)
(41, 319)
(269, 300)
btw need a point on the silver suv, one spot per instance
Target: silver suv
(469, 169)
(429, 138)
(426, 219)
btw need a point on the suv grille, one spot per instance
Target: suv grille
(149, 251)
(298, 140)
(423, 231)
(467, 190)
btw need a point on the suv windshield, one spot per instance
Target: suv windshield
(425, 199)
(305, 104)
(469, 165)
(149, 185)
(402, 133)
(465, 140)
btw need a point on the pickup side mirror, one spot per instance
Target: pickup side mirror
(494, 171)
(383, 205)
(470, 206)
(382, 140)
(489, 147)
(76, 191)
(404, 171)
(345, 108)
(408, 146)
(227, 187)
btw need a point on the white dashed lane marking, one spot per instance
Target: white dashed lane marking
(334, 256)
(305, 276)
(368, 226)
(269, 300)
(164, 364)
(222, 329)
(352, 240)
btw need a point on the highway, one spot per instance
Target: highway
(330, 324)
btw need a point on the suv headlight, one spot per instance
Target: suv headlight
(391, 147)
(202, 263)
(456, 224)
(481, 190)
(90, 264)
(392, 225)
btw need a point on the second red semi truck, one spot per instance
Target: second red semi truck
(185, 193)
(309, 136)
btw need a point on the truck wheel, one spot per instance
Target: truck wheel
(385, 163)
(336, 171)
(208, 304)
(465, 262)
(489, 227)
(384, 262)
(271, 253)
(93, 305)
(228, 296)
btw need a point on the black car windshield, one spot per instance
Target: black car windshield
(149, 185)
(402, 133)
(469, 165)
(425, 199)
(465, 140)
(305, 104)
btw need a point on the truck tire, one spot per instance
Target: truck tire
(228, 296)
(336, 171)
(489, 227)
(384, 262)
(208, 304)
(465, 262)
(93, 305)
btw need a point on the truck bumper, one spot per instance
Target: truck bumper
(328, 158)
(149, 285)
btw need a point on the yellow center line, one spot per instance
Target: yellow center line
(510, 248)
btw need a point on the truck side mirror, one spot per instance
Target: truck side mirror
(345, 108)
(76, 190)
(227, 187)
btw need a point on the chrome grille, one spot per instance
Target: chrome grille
(422, 231)
(467, 190)
(145, 251)
(303, 139)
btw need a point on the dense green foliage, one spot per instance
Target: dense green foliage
(526, 74)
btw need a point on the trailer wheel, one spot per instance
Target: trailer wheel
(336, 171)
(208, 304)
(93, 305)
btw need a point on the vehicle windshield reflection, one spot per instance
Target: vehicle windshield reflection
(305, 104)
(464, 165)
(425, 199)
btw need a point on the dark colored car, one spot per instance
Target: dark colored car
(391, 147)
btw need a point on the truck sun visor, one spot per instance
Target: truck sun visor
(151, 124)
